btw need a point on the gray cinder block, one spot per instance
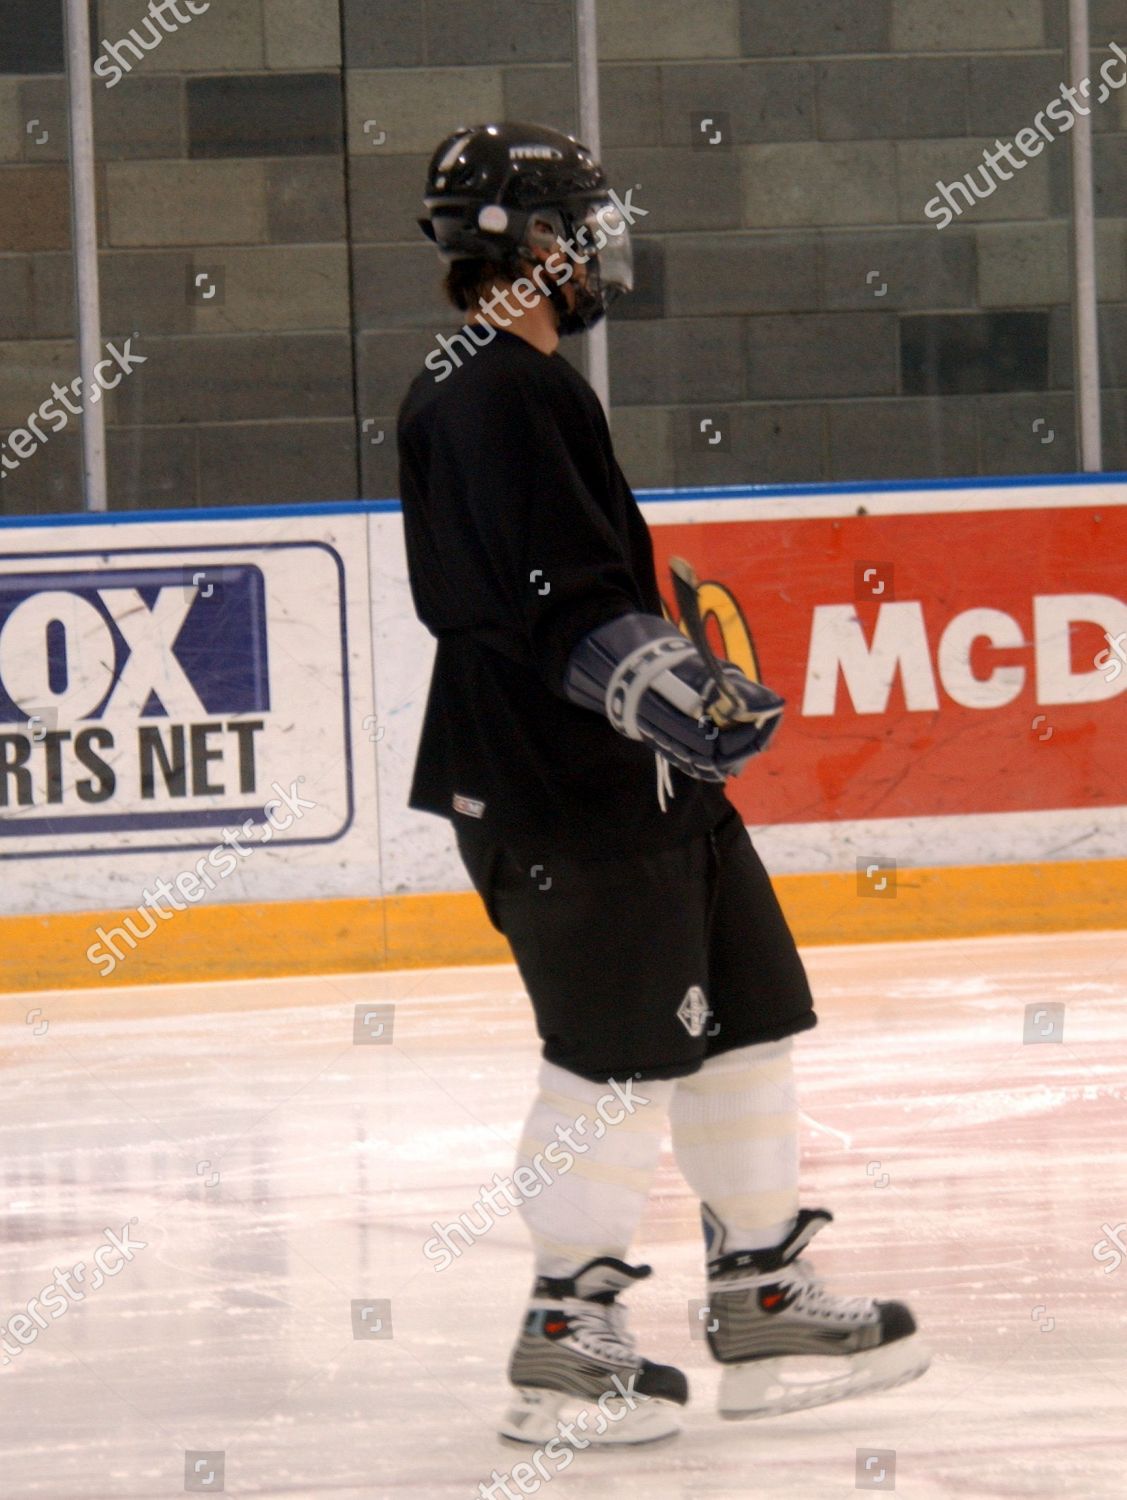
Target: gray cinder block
(225, 38)
(822, 354)
(669, 28)
(677, 361)
(771, 101)
(1023, 265)
(400, 286)
(777, 444)
(1115, 430)
(380, 463)
(279, 114)
(186, 203)
(143, 291)
(741, 273)
(678, 188)
(269, 287)
(17, 319)
(413, 111)
(643, 442)
(305, 200)
(47, 484)
(546, 96)
(33, 37)
(151, 468)
(277, 463)
(52, 295)
(388, 35)
(892, 98)
(1026, 434)
(1006, 92)
(1110, 153)
(903, 439)
(818, 183)
(948, 354)
(27, 370)
(13, 121)
(302, 33)
(140, 117)
(34, 208)
(239, 376)
(813, 28)
(387, 198)
(648, 297)
(922, 166)
(509, 31)
(631, 97)
(879, 269)
(966, 25)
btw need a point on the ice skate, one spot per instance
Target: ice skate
(785, 1342)
(576, 1370)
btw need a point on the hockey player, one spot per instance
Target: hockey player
(580, 745)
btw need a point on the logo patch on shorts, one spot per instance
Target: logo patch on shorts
(468, 805)
(694, 1011)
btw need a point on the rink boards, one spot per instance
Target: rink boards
(209, 722)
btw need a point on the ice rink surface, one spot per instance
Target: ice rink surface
(276, 1172)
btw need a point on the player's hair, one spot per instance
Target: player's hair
(467, 280)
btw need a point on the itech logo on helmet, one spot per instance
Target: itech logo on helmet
(535, 153)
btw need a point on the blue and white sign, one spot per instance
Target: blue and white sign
(150, 696)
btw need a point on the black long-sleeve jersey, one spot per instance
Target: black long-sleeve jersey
(522, 536)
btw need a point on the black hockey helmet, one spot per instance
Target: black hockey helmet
(495, 192)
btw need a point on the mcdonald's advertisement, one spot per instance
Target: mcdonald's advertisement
(944, 662)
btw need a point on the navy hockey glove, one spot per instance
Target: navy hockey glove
(654, 685)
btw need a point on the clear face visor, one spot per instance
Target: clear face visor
(604, 236)
(599, 244)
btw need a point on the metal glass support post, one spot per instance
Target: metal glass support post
(84, 228)
(587, 74)
(1085, 314)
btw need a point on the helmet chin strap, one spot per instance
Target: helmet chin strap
(588, 308)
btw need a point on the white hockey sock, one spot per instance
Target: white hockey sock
(593, 1148)
(735, 1137)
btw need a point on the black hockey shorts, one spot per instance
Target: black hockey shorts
(646, 965)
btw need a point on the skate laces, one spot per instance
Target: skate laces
(601, 1329)
(812, 1297)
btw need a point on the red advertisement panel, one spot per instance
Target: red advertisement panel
(944, 663)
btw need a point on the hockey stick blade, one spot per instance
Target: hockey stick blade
(727, 708)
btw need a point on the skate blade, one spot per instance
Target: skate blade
(770, 1387)
(536, 1417)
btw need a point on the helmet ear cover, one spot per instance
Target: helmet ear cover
(508, 249)
(503, 195)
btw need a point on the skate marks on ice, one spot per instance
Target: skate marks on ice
(284, 1176)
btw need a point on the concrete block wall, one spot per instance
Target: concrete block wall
(791, 292)
(823, 324)
(224, 255)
